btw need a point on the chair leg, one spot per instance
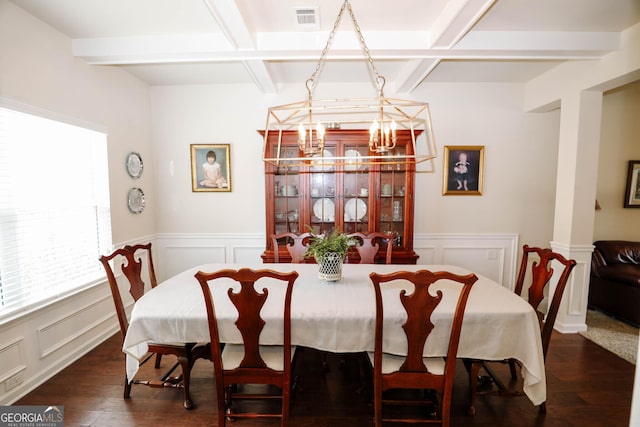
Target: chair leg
(325, 365)
(222, 409)
(286, 395)
(158, 360)
(543, 408)
(512, 369)
(185, 364)
(127, 387)
(228, 402)
(377, 402)
(473, 369)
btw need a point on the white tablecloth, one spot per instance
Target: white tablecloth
(339, 317)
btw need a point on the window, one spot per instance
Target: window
(55, 220)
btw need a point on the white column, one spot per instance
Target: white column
(577, 172)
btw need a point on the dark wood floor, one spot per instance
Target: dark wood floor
(587, 386)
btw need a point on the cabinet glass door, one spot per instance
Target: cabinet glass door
(356, 192)
(393, 200)
(323, 194)
(286, 190)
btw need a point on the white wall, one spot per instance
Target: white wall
(518, 196)
(214, 114)
(618, 144)
(520, 163)
(38, 69)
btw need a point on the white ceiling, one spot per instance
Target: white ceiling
(168, 42)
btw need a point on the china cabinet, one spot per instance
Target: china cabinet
(350, 197)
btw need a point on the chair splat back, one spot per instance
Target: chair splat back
(296, 245)
(249, 302)
(131, 266)
(541, 273)
(419, 306)
(369, 245)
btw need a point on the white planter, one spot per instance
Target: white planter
(330, 269)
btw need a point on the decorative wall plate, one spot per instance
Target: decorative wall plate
(134, 165)
(135, 200)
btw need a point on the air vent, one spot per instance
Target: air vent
(307, 18)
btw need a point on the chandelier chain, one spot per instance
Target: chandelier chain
(380, 80)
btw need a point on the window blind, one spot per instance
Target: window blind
(55, 219)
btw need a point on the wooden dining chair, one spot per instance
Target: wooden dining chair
(132, 260)
(539, 276)
(249, 363)
(296, 245)
(413, 371)
(369, 245)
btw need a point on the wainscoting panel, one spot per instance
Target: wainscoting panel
(176, 253)
(487, 261)
(493, 256)
(39, 344)
(55, 334)
(180, 258)
(248, 254)
(11, 358)
(426, 254)
(572, 313)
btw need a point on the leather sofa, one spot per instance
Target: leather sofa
(614, 285)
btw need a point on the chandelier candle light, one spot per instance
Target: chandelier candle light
(385, 118)
(379, 141)
(307, 146)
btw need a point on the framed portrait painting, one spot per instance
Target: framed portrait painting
(463, 170)
(210, 167)
(632, 193)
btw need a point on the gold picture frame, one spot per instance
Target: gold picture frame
(210, 167)
(632, 192)
(463, 171)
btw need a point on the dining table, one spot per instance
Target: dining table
(340, 317)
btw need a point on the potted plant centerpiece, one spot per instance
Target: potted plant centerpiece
(329, 252)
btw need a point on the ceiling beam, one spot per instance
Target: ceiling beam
(232, 24)
(414, 73)
(260, 76)
(217, 48)
(455, 21)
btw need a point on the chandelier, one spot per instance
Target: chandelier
(313, 120)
